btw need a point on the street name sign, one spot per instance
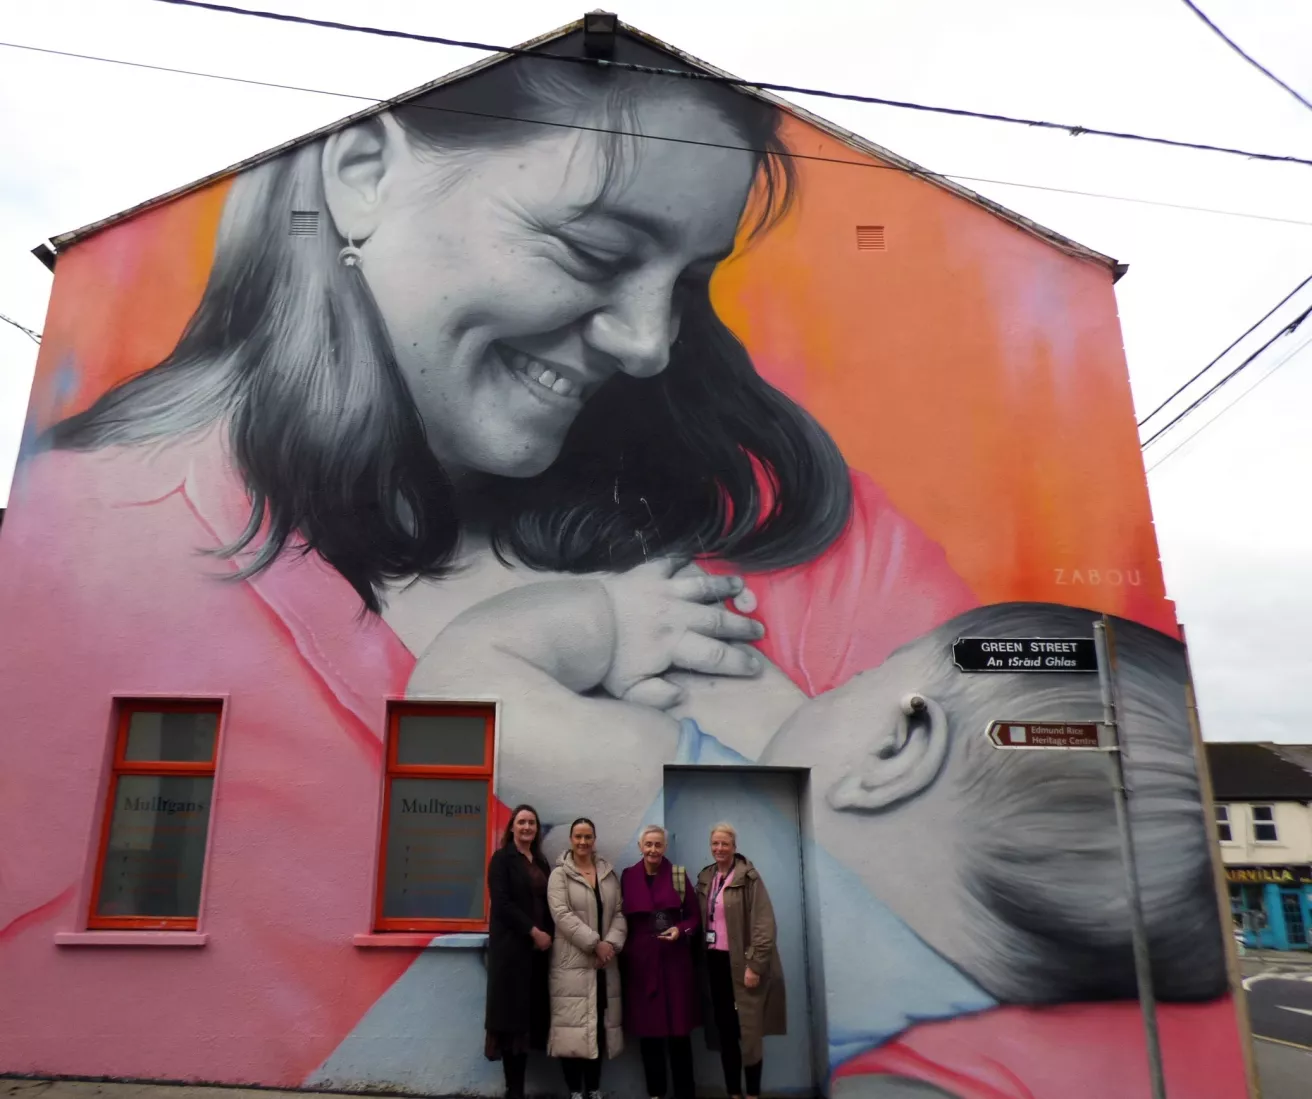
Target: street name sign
(1025, 654)
(1068, 735)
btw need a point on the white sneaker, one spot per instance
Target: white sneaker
(594, 1095)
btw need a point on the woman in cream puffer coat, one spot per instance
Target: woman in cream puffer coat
(584, 897)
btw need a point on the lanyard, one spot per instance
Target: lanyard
(721, 880)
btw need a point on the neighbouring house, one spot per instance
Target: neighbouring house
(585, 430)
(1263, 806)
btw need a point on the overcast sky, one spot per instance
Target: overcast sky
(82, 140)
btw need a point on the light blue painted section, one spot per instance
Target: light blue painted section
(459, 941)
(762, 806)
(425, 1034)
(879, 976)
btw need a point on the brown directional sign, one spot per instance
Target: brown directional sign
(1070, 735)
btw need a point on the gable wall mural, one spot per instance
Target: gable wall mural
(691, 436)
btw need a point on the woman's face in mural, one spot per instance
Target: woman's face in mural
(514, 282)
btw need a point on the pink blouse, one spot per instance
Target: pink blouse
(715, 905)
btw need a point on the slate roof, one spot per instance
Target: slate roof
(1257, 771)
(568, 39)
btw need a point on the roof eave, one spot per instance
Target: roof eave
(65, 240)
(856, 141)
(1065, 244)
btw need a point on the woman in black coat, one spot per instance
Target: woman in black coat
(518, 948)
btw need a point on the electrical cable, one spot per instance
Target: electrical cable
(923, 174)
(1246, 56)
(1198, 431)
(1073, 129)
(1238, 339)
(1291, 327)
(31, 334)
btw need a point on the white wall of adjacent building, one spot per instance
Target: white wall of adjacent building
(1265, 833)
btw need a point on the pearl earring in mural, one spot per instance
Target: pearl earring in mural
(350, 255)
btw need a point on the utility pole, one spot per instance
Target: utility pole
(1104, 640)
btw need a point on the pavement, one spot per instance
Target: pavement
(1284, 1072)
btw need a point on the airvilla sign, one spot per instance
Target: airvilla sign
(1269, 875)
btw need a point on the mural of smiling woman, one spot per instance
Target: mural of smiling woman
(507, 329)
(501, 361)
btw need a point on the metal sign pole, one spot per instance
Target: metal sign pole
(1105, 643)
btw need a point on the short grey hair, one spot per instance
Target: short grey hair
(727, 828)
(1044, 880)
(649, 829)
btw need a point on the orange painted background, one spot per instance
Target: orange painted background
(974, 371)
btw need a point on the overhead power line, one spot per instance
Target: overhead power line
(868, 164)
(1292, 326)
(1246, 56)
(1287, 357)
(31, 334)
(1074, 129)
(1238, 339)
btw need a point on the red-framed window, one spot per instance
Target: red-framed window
(437, 818)
(151, 861)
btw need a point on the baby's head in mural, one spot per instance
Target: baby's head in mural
(491, 307)
(1008, 862)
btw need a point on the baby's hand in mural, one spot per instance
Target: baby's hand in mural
(667, 615)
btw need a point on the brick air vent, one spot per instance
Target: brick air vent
(870, 238)
(305, 223)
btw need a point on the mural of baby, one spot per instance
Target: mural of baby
(964, 877)
(1007, 863)
(579, 665)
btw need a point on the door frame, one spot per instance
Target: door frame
(812, 952)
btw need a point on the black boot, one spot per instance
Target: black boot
(515, 1065)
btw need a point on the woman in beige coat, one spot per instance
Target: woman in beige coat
(584, 897)
(742, 961)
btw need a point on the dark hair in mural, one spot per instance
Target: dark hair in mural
(289, 348)
(1044, 878)
(508, 836)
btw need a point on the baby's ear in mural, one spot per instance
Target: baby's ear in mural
(911, 744)
(356, 164)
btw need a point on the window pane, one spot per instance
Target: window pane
(1222, 813)
(171, 736)
(1224, 830)
(1263, 812)
(436, 849)
(156, 849)
(449, 740)
(1266, 833)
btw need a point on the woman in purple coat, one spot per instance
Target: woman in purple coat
(661, 1003)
